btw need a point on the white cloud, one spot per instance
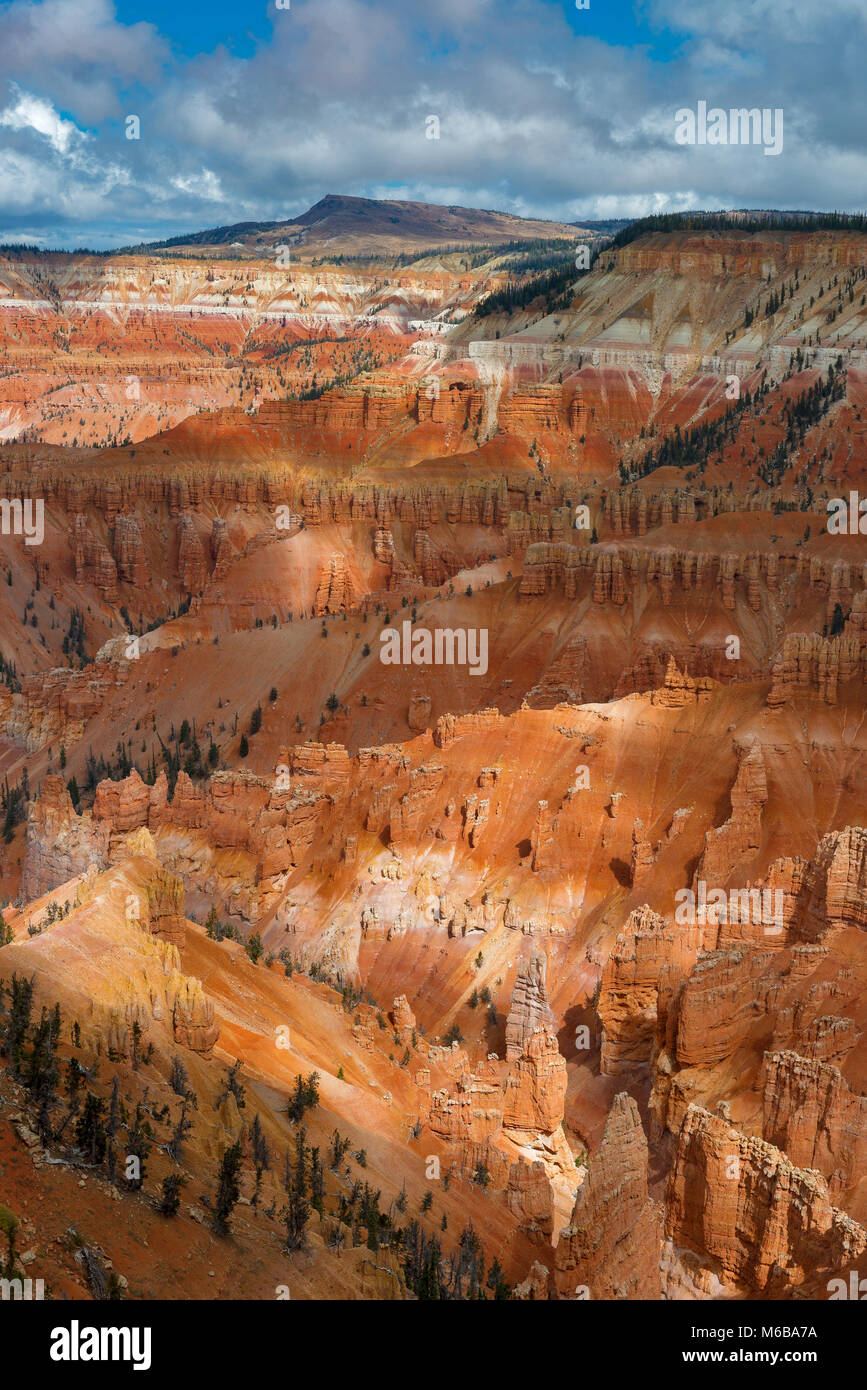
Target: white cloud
(204, 185)
(30, 112)
(534, 118)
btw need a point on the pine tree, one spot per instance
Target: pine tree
(171, 1198)
(228, 1190)
(179, 1133)
(90, 1130)
(297, 1214)
(15, 1032)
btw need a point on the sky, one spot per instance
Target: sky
(250, 112)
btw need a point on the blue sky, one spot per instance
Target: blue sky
(247, 112)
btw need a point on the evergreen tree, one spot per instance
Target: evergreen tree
(297, 1214)
(228, 1190)
(171, 1198)
(90, 1130)
(15, 1032)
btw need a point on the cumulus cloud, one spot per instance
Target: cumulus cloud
(536, 116)
(29, 112)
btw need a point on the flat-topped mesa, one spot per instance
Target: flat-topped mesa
(741, 1217)
(612, 1242)
(528, 1009)
(740, 837)
(809, 664)
(809, 1110)
(627, 1006)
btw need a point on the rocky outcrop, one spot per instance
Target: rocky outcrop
(192, 562)
(612, 1243)
(642, 858)
(124, 805)
(809, 1110)
(535, 1088)
(193, 1021)
(451, 727)
(59, 843)
(812, 665)
(129, 552)
(58, 704)
(333, 587)
(404, 1020)
(418, 714)
(627, 1005)
(530, 1199)
(833, 891)
(740, 1216)
(165, 907)
(94, 563)
(529, 1005)
(410, 817)
(739, 839)
(718, 1003)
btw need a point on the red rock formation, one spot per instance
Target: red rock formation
(129, 552)
(809, 1110)
(536, 1086)
(628, 992)
(612, 1243)
(333, 587)
(192, 563)
(752, 1219)
(738, 840)
(530, 1198)
(834, 892)
(165, 907)
(529, 1006)
(718, 1002)
(193, 1018)
(59, 844)
(818, 666)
